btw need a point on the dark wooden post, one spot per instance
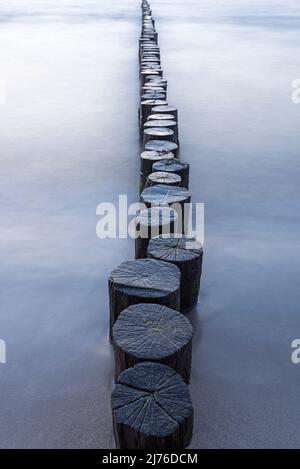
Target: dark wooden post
(148, 65)
(160, 117)
(151, 332)
(162, 146)
(151, 66)
(158, 133)
(187, 254)
(149, 36)
(147, 60)
(150, 88)
(174, 166)
(161, 177)
(150, 223)
(151, 405)
(161, 109)
(158, 81)
(147, 39)
(170, 124)
(147, 159)
(150, 56)
(175, 196)
(153, 94)
(145, 109)
(151, 409)
(148, 49)
(155, 79)
(148, 73)
(143, 281)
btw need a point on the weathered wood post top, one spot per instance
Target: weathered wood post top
(151, 408)
(143, 281)
(152, 332)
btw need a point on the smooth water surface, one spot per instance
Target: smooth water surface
(69, 140)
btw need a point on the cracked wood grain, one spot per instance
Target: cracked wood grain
(152, 332)
(143, 281)
(187, 254)
(151, 408)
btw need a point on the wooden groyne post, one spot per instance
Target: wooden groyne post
(151, 404)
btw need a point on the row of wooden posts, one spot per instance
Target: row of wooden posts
(148, 296)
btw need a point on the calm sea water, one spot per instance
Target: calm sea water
(69, 140)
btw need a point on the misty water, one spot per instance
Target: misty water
(69, 141)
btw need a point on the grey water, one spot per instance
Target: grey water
(69, 141)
